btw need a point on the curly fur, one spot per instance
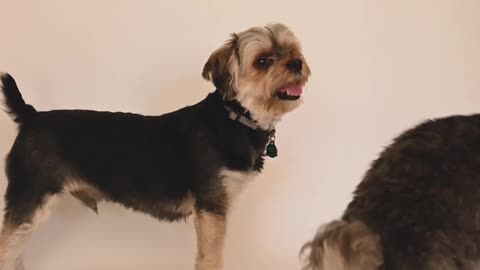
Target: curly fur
(420, 198)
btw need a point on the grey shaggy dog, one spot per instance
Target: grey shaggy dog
(417, 208)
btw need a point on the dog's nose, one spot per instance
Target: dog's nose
(295, 65)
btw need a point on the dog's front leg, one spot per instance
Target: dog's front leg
(211, 230)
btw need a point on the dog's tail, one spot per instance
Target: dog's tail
(15, 106)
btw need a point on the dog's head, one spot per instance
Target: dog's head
(342, 245)
(263, 68)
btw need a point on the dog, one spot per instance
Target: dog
(417, 207)
(191, 161)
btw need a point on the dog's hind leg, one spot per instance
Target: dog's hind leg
(20, 221)
(36, 178)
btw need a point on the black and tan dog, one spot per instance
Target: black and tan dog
(417, 208)
(193, 160)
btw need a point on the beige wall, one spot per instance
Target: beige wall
(378, 67)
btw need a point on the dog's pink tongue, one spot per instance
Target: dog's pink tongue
(293, 90)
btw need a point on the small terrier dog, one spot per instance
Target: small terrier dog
(417, 208)
(194, 160)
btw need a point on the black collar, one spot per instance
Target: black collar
(237, 112)
(245, 120)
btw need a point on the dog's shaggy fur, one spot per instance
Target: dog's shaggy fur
(194, 160)
(417, 208)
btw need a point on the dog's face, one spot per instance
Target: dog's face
(263, 69)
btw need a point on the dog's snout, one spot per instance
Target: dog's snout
(295, 65)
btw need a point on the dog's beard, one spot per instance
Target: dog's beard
(269, 96)
(263, 103)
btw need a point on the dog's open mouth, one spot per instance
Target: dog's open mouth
(290, 92)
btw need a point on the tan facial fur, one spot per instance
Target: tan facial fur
(233, 70)
(344, 246)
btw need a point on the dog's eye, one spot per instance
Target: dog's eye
(263, 62)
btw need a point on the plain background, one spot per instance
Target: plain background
(378, 67)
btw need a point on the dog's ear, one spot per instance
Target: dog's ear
(222, 66)
(343, 246)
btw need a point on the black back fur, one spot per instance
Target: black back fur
(142, 162)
